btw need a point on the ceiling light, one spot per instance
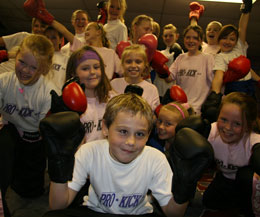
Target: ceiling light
(229, 1)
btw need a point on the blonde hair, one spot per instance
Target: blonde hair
(104, 86)
(41, 48)
(137, 21)
(177, 108)
(123, 6)
(171, 27)
(99, 26)
(76, 12)
(156, 29)
(137, 49)
(215, 23)
(128, 102)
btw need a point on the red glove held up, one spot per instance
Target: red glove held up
(237, 69)
(36, 8)
(3, 55)
(196, 10)
(151, 43)
(121, 46)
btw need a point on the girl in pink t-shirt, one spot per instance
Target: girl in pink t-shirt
(232, 138)
(87, 64)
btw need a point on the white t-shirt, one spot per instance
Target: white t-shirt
(116, 32)
(150, 92)
(24, 106)
(92, 118)
(57, 74)
(14, 40)
(210, 49)
(121, 188)
(194, 74)
(222, 59)
(230, 157)
(66, 50)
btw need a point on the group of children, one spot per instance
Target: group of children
(114, 158)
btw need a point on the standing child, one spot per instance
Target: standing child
(232, 138)
(87, 64)
(121, 168)
(79, 21)
(25, 100)
(135, 65)
(193, 69)
(115, 28)
(170, 35)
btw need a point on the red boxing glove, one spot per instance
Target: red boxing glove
(178, 94)
(102, 15)
(151, 43)
(159, 64)
(237, 69)
(196, 10)
(74, 97)
(36, 8)
(3, 55)
(121, 46)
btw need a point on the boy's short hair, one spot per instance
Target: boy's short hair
(226, 30)
(41, 48)
(128, 102)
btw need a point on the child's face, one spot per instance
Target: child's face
(230, 124)
(26, 67)
(38, 28)
(169, 37)
(228, 43)
(114, 10)
(134, 65)
(145, 27)
(127, 136)
(192, 41)
(166, 123)
(212, 33)
(54, 37)
(91, 33)
(89, 73)
(80, 23)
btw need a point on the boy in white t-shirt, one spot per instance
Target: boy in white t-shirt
(121, 168)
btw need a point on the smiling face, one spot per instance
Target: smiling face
(38, 27)
(54, 37)
(212, 33)
(89, 73)
(166, 123)
(80, 22)
(192, 41)
(230, 123)
(127, 136)
(134, 65)
(114, 10)
(228, 42)
(26, 67)
(92, 33)
(169, 37)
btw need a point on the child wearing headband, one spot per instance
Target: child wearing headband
(87, 64)
(168, 118)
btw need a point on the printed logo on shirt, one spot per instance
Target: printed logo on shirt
(90, 126)
(124, 201)
(56, 66)
(190, 72)
(229, 166)
(23, 112)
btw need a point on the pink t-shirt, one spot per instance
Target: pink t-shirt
(194, 75)
(230, 157)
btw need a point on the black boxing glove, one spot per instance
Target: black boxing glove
(246, 6)
(62, 133)
(210, 108)
(132, 88)
(196, 123)
(255, 158)
(190, 155)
